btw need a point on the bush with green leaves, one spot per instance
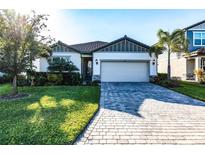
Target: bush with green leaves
(6, 78)
(161, 79)
(169, 83)
(22, 81)
(55, 79)
(72, 78)
(41, 80)
(61, 65)
(199, 73)
(51, 78)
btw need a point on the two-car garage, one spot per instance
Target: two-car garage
(124, 71)
(124, 60)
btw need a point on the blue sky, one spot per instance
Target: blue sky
(77, 26)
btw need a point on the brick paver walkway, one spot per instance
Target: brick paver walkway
(143, 113)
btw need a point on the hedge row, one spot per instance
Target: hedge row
(48, 78)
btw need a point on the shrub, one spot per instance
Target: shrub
(72, 78)
(6, 78)
(169, 83)
(200, 75)
(61, 65)
(162, 76)
(40, 78)
(40, 81)
(48, 78)
(22, 81)
(161, 79)
(154, 79)
(55, 79)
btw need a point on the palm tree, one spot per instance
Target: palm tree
(170, 42)
(156, 49)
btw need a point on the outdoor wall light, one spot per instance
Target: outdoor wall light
(153, 62)
(96, 61)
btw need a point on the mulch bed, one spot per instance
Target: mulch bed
(10, 97)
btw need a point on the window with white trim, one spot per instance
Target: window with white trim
(57, 58)
(199, 39)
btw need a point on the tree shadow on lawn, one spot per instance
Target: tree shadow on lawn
(49, 119)
(130, 97)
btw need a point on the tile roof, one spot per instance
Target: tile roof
(89, 46)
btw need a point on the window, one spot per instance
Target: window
(199, 39)
(57, 58)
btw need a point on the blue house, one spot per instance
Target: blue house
(196, 36)
(183, 66)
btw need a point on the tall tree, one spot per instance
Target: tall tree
(21, 41)
(171, 42)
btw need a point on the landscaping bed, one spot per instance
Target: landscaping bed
(51, 115)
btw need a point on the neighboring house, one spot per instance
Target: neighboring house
(122, 60)
(182, 65)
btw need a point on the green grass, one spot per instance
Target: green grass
(51, 115)
(194, 90)
(5, 89)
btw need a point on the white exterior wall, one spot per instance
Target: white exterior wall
(122, 56)
(36, 63)
(42, 64)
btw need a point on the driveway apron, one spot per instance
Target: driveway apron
(144, 113)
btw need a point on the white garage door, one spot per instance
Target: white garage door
(124, 71)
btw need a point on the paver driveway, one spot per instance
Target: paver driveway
(144, 113)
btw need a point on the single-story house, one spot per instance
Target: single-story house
(183, 65)
(122, 60)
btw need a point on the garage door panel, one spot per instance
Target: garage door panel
(124, 72)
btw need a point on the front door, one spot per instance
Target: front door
(89, 70)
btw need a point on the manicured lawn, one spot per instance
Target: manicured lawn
(51, 115)
(5, 89)
(194, 90)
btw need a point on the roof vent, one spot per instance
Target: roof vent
(125, 36)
